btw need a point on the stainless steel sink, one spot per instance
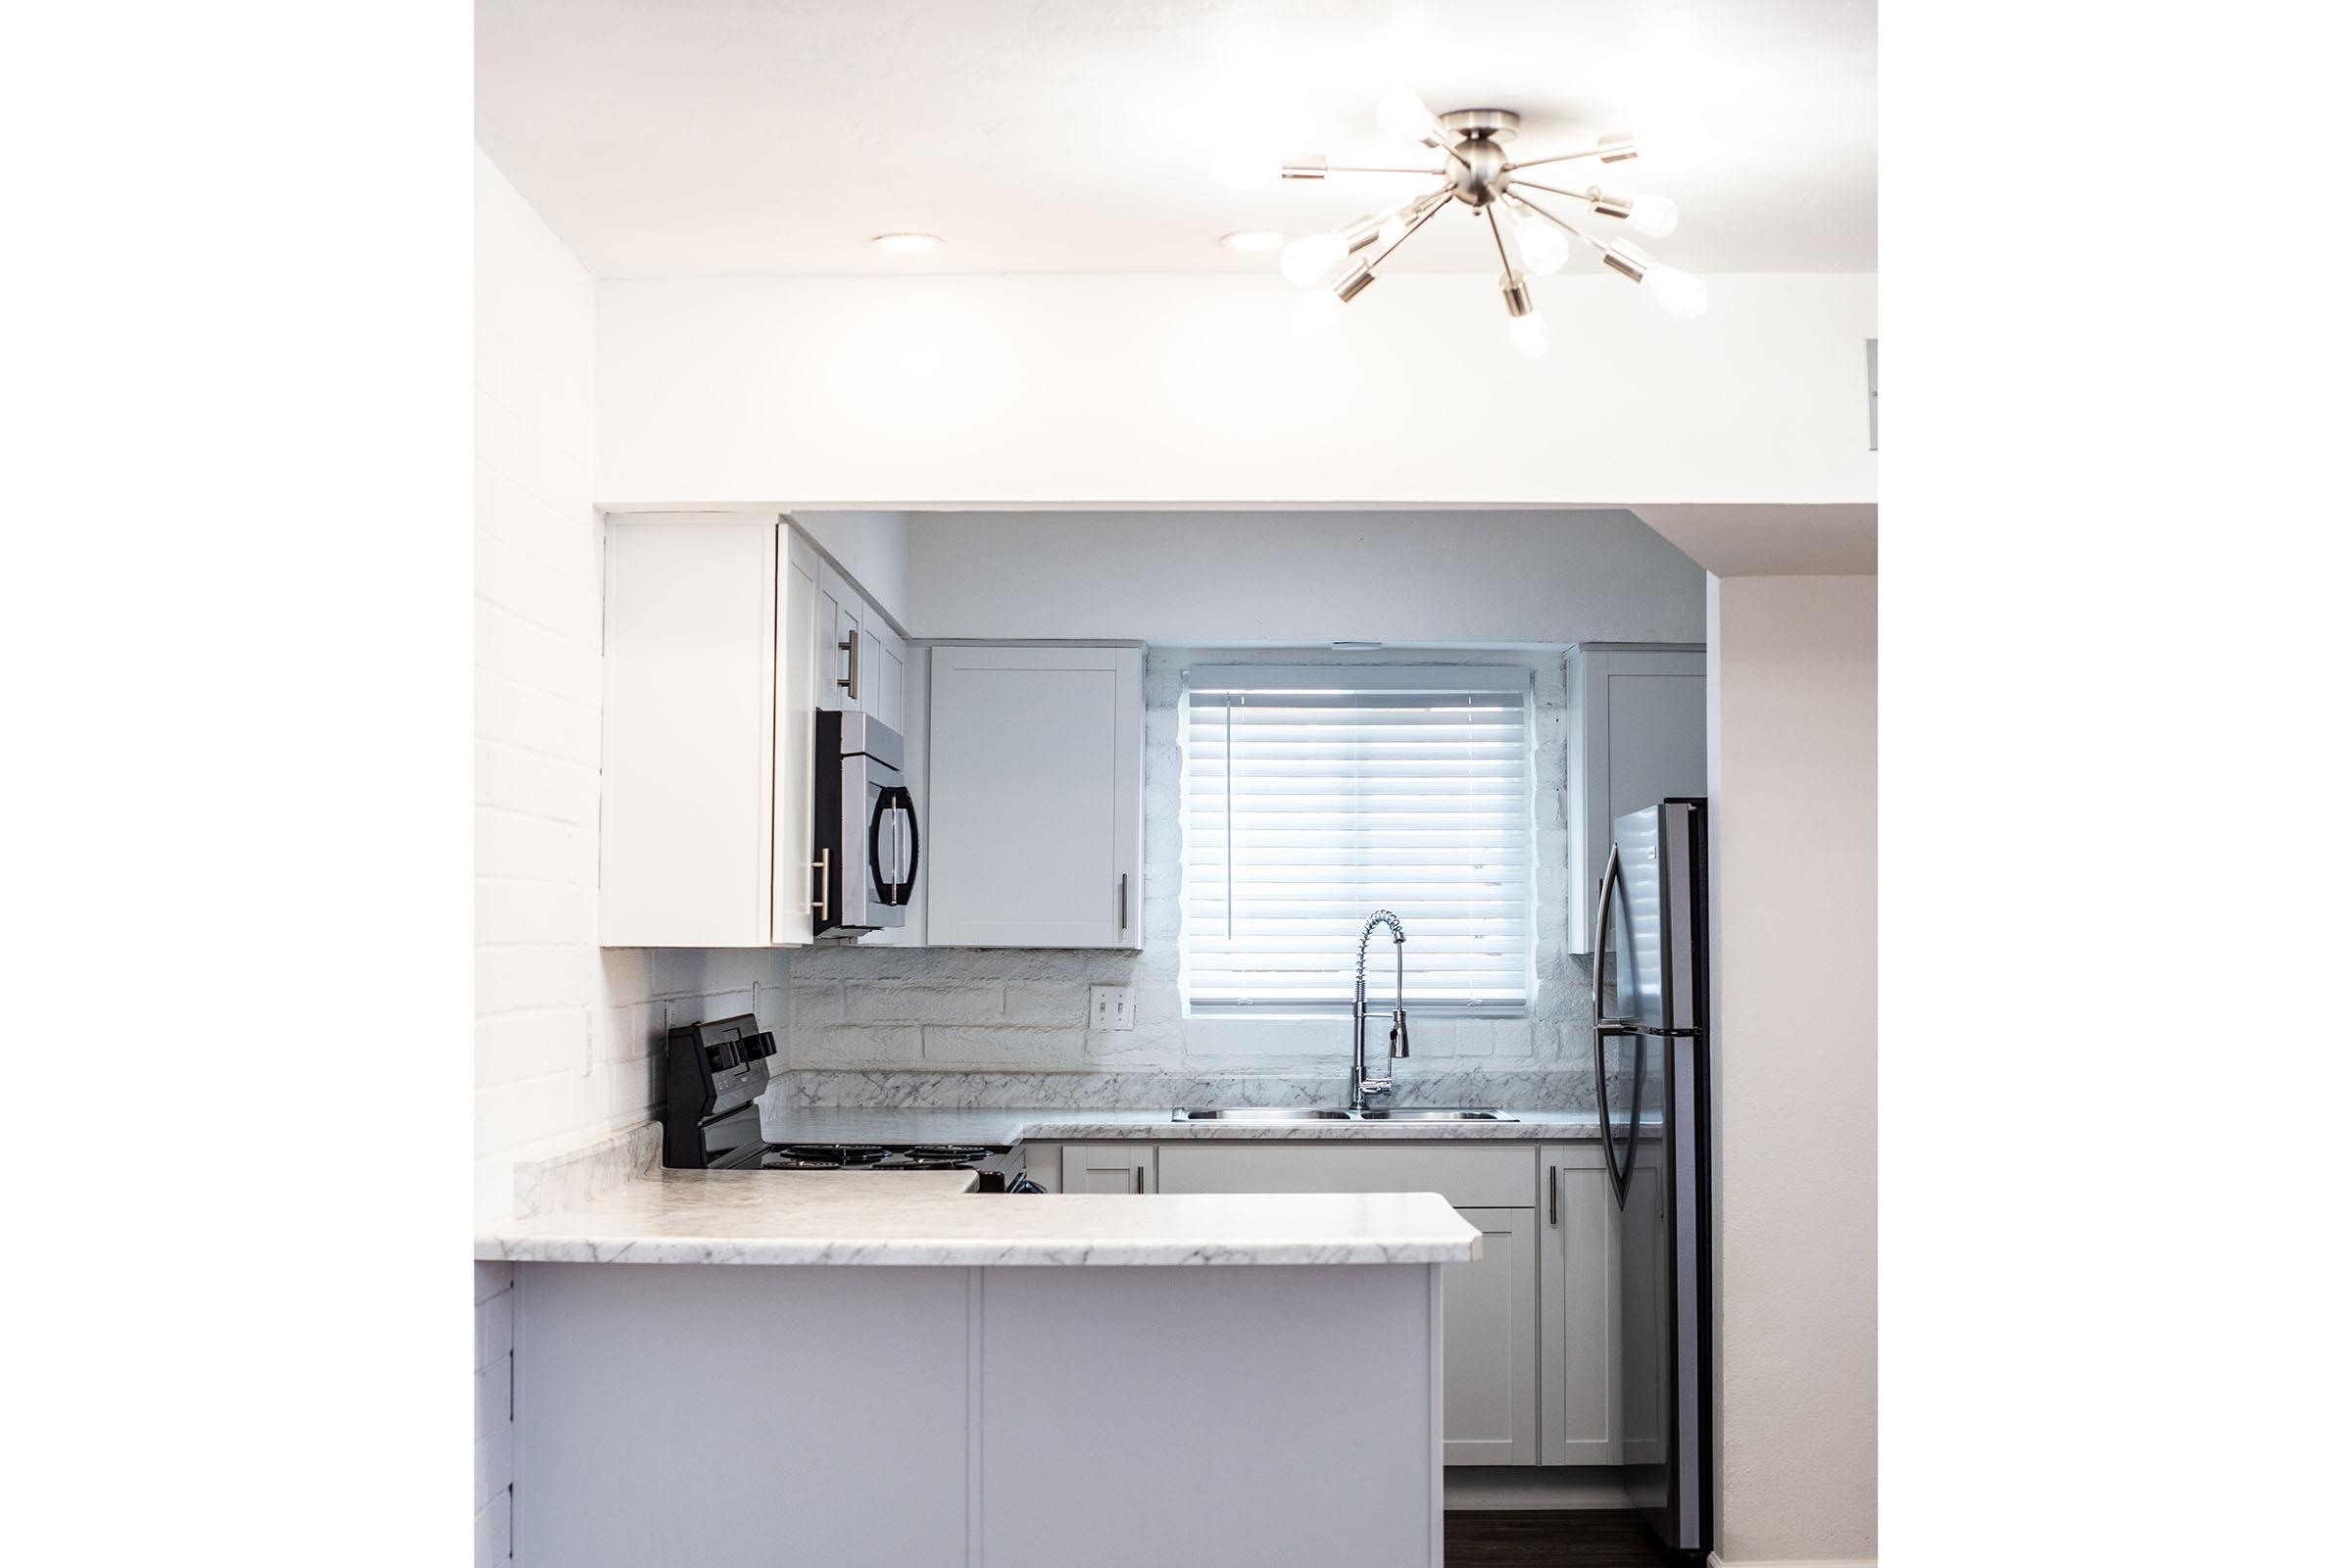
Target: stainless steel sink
(1257, 1113)
(1450, 1113)
(1296, 1113)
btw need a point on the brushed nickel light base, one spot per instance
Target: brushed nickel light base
(1481, 124)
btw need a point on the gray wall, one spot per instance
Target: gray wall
(1261, 578)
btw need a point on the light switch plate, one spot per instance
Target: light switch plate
(1110, 1008)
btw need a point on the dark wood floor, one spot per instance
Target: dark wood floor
(1559, 1538)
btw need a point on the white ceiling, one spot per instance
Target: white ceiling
(730, 136)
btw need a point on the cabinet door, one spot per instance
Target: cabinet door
(1491, 1344)
(882, 678)
(1035, 826)
(1577, 1282)
(1638, 734)
(840, 612)
(689, 750)
(1107, 1168)
(796, 678)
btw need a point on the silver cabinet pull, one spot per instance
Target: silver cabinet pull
(1122, 901)
(851, 679)
(1555, 1194)
(823, 906)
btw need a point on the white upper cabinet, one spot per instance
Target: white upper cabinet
(839, 633)
(882, 674)
(862, 662)
(706, 819)
(1035, 834)
(1636, 734)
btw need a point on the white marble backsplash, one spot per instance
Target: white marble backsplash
(1560, 1089)
(863, 1008)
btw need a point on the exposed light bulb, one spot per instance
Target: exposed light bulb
(1530, 336)
(1655, 216)
(1391, 232)
(1251, 239)
(1316, 310)
(1246, 170)
(1404, 116)
(1678, 293)
(1543, 247)
(1309, 259)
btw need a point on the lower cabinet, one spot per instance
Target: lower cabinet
(1576, 1216)
(1530, 1325)
(1490, 1392)
(1109, 1168)
(1493, 1357)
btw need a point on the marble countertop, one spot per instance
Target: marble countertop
(1008, 1125)
(927, 1217)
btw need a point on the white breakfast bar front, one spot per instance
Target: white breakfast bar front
(868, 1367)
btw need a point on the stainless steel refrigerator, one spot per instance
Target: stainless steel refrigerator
(1649, 1047)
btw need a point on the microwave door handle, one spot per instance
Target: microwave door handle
(915, 844)
(895, 803)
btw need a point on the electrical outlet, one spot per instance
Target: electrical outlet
(1111, 1007)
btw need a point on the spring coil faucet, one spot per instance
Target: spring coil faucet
(1373, 1093)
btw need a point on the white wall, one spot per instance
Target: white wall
(1792, 762)
(1190, 389)
(1255, 578)
(563, 1034)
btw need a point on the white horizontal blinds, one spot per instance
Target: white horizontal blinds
(1314, 796)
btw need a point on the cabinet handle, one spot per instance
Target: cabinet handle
(851, 679)
(1122, 901)
(1555, 1194)
(824, 888)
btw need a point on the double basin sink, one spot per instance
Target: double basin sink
(1296, 1114)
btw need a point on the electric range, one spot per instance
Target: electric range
(717, 1070)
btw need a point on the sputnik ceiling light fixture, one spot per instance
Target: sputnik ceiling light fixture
(1529, 236)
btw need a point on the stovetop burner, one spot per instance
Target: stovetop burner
(872, 1156)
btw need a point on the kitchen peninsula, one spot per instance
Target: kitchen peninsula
(801, 1367)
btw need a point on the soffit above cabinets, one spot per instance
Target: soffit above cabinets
(709, 136)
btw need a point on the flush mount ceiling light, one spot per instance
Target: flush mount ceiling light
(1529, 237)
(906, 244)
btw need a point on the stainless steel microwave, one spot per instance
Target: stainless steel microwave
(868, 843)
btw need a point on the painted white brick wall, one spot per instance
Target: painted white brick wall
(1007, 1009)
(565, 1035)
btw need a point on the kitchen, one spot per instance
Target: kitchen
(1018, 950)
(1146, 824)
(1212, 878)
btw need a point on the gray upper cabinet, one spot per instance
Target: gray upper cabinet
(1035, 825)
(1636, 734)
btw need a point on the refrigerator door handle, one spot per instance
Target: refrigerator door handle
(1603, 1028)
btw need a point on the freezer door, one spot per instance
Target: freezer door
(1640, 913)
(1659, 852)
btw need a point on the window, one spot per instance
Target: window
(1313, 795)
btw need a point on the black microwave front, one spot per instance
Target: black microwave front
(868, 842)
